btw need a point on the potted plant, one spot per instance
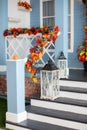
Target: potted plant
(82, 51)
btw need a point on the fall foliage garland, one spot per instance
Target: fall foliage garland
(24, 4)
(37, 51)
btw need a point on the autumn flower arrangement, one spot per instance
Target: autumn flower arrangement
(82, 49)
(37, 51)
(29, 31)
(24, 4)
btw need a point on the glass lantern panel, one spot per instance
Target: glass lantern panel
(47, 76)
(63, 64)
(46, 83)
(55, 83)
(50, 84)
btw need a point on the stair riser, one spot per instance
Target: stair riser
(73, 95)
(73, 84)
(57, 121)
(15, 127)
(59, 106)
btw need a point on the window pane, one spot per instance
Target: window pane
(69, 23)
(48, 8)
(48, 22)
(69, 41)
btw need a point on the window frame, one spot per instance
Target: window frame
(71, 15)
(41, 13)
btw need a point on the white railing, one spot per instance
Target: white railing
(21, 45)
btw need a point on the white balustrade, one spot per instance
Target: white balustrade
(21, 45)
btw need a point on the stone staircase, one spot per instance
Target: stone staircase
(68, 112)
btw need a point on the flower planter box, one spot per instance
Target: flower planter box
(24, 9)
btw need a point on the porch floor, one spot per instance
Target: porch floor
(77, 75)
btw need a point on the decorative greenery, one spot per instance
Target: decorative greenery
(82, 49)
(24, 4)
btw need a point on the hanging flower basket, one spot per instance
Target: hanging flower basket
(24, 6)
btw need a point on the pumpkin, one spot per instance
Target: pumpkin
(15, 57)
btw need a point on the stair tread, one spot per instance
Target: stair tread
(58, 114)
(37, 125)
(71, 101)
(76, 75)
(73, 89)
(65, 100)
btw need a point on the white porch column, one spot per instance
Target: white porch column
(15, 91)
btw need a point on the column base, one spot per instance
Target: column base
(16, 118)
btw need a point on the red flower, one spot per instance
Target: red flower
(38, 41)
(5, 33)
(56, 29)
(32, 50)
(24, 4)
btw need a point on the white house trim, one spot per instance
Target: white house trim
(73, 83)
(14, 127)
(16, 118)
(57, 121)
(72, 26)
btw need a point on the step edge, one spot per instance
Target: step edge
(75, 83)
(57, 116)
(58, 121)
(73, 95)
(62, 107)
(17, 126)
(76, 91)
(53, 101)
(34, 128)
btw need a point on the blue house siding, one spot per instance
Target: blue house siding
(3, 26)
(35, 13)
(79, 33)
(61, 20)
(61, 10)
